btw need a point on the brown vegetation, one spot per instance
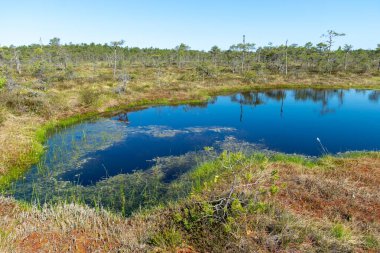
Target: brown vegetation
(273, 206)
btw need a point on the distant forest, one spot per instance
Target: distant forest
(39, 60)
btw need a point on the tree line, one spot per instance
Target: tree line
(242, 58)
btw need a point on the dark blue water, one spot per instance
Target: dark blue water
(288, 121)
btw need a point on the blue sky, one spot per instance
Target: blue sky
(198, 23)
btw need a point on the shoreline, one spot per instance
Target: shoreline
(27, 159)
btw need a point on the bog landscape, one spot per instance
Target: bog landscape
(106, 147)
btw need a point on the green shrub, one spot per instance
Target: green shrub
(22, 102)
(89, 97)
(40, 70)
(206, 71)
(250, 77)
(69, 72)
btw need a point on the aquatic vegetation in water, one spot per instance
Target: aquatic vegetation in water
(165, 181)
(139, 159)
(166, 132)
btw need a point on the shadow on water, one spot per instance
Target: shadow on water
(131, 160)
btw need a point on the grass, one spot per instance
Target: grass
(269, 202)
(230, 206)
(371, 242)
(296, 159)
(168, 239)
(37, 147)
(340, 232)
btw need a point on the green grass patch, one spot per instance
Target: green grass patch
(37, 149)
(340, 231)
(296, 159)
(360, 154)
(3, 81)
(371, 242)
(167, 239)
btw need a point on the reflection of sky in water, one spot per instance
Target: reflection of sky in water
(287, 121)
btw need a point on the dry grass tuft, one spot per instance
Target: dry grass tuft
(71, 228)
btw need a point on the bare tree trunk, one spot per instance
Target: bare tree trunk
(17, 62)
(286, 58)
(114, 64)
(243, 56)
(345, 61)
(18, 66)
(259, 57)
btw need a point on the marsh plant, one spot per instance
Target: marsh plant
(169, 179)
(323, 148)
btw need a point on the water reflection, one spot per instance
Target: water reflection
(123, 117)
(96, 159)
(374, 96)
(200, 104)
(256, 98)
(247, 98)
(130, 140)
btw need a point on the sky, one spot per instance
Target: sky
(197, 23)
